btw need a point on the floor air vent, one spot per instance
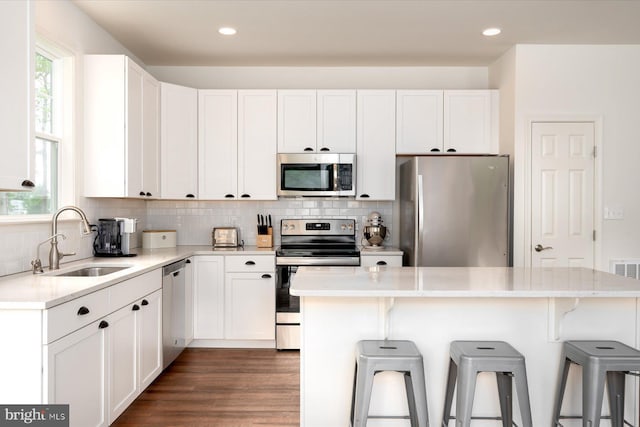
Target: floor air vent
(626, 267)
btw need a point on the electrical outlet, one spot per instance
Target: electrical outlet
(614, 212)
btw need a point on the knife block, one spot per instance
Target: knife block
(264, 240)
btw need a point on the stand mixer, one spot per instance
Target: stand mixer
(374, 231)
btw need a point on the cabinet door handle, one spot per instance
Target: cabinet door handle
(28, 184)
(250, 263)
(451, 150)
(149, 194)
(103, 324)
(364, 196)
(308, 149)
(324, 149)
(190, 196)
(83, 310)
(229, 196)
(266, 276)
(381, 263)
(435, 150)
(144, 302)
(135, 307)
(245, 196)
(188, 261)
(176, 273)
(142, 193)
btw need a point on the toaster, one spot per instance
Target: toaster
(225, 237)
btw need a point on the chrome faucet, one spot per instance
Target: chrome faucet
(54, 255)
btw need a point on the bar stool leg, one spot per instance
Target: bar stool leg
(364, 382)
(522, 389)
(593, 380)
(411, 399)
(466, 392)
(417, 390)
(615, 388)
(562, 384)
(505, 394)
(448, 395)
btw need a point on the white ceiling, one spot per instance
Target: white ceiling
(355, 32)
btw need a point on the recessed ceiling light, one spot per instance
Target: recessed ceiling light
(227, 31)
(491, 32)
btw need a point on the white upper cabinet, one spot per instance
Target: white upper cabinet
(218, 144)
(375, 154)
(121, 110)
(337, 121)
(257, 134)
(296, 121)
(16, 87)
(310, 121)
(471, 121)
(178, 142)
(419, 121)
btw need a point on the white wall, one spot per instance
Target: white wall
(324, 77)
(585, 81)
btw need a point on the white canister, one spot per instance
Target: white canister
(154, 239)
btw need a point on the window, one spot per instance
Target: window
(51, 102)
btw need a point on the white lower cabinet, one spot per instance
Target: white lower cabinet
(373, 259)
(234, 300)
(75, 375)
(102, 367)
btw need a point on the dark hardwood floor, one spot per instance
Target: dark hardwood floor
(222, 387)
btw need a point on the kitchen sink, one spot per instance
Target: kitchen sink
(91, 271)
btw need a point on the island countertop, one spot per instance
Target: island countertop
(514, 282)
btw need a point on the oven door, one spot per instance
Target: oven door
(287, 310)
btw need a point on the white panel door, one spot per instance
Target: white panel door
(208, 297)
(123, 360)
(471, 121)
(250, 306)
(419, 121)
(562, 195)
(218, 144)
(150, 339)
(337, 121)
(257, 144)
(150, 135)
(133, 158)
(296, 121)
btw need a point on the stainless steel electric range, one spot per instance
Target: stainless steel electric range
(308, 242)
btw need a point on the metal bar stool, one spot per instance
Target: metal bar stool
(468, 358)
(386, 355)
(601, 361)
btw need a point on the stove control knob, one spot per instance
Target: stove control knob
(285, 226)
(343, 227)
(292, 226)
(350, 227)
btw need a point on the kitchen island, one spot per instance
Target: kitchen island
(532, 309)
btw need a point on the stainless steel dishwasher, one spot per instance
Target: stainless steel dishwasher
(173, 311)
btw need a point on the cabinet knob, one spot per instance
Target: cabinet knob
(308, 149)
(135, 307)
(28, 184)
(144, 302)
(103, 324)
(229, 196)
(188, 261)
(381, 263)
(149, 194)
(435, 150)
(245, 196)
(176, 273)
(142, 193)
(266, 276)
(324, 149)
(250, 263)
(190, 196)
(364, 196)
(451, 150)
(83, 310)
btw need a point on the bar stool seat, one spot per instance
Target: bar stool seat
(468, 358)
(374, 356)
(601, 361)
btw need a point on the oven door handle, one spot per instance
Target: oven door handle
(319, 261)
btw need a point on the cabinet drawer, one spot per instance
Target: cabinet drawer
(247, 263)
(65, 318)
(130, 290)
(381, 260)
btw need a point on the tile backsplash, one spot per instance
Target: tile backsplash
(193, 221)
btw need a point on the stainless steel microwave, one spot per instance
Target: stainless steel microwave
(317, 174)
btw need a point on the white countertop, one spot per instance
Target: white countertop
(460, 282)
(41, 291)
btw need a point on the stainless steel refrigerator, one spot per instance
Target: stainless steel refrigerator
(454, 211)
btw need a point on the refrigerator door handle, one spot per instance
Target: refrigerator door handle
(420, 220)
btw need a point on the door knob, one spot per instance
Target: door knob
(540, 248)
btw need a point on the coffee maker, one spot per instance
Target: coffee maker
(114, 237)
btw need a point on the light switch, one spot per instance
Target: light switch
(614, 212)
